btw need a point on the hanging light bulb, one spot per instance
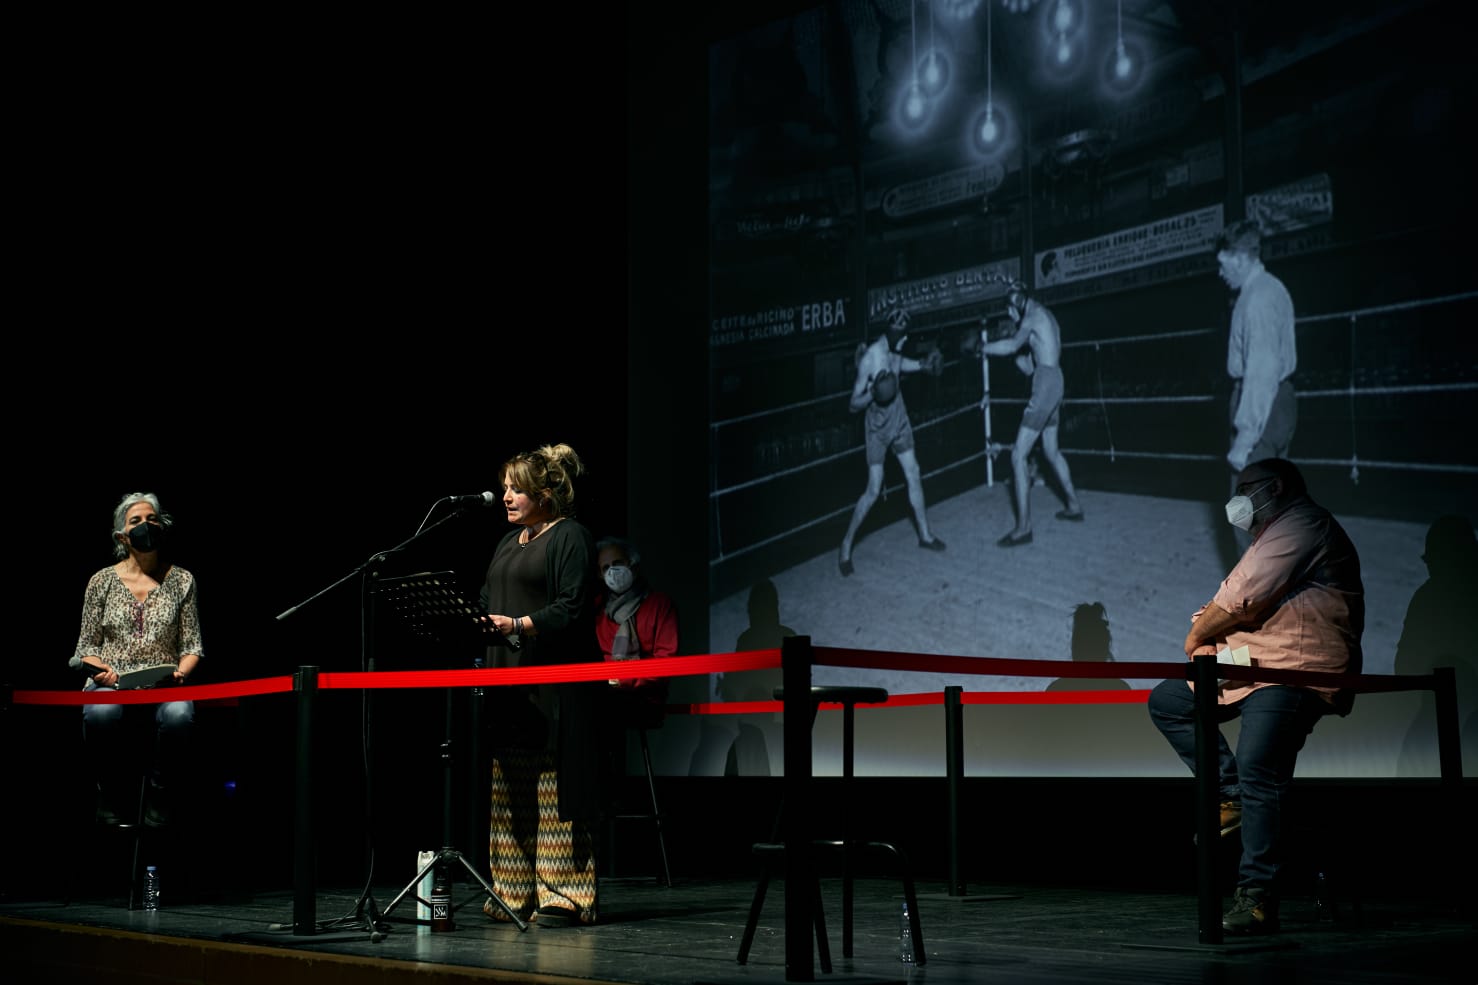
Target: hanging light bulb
(1063, 25)
(934, 71)
(988, 130)
(1125, 64)
(1064, 18)
(1122, 65)
(1064, 49)
(913, 108)
(915, 105)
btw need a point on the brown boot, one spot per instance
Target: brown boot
(1231, 816)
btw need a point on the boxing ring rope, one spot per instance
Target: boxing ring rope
(935, 418)
(796, 658)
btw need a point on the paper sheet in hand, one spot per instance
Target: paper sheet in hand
(1240, 656)
(146, 677)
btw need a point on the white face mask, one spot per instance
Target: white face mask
(1240, 510)
(619, 578)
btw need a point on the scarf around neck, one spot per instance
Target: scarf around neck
(621, 609)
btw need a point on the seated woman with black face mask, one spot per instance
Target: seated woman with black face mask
(140, 626)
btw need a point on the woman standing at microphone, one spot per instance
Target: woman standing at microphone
(138, 614)
(539, 594)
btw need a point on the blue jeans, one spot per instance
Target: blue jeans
(107, 739)
(1275, 722)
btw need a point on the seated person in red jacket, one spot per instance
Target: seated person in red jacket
(633, 622)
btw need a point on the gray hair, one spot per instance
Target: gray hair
(623, 544)
(120, 513)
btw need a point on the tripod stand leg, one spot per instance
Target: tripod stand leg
(492, 894)
(452, 855)
(415, 881)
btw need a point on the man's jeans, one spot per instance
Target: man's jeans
(1275, 722)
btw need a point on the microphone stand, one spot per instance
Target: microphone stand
(367, 915)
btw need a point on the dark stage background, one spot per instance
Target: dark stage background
(302, 280)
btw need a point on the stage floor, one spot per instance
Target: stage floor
(690, 933)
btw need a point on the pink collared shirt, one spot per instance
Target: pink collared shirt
(1299, 588)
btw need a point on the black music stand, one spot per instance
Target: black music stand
(430, 607)
(366, 915)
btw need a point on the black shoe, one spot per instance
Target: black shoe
(1254, 911)
(932, 545)
(1076, 517)
(1011, 540)
(108, 813)
(845, 567)
(500, 915)
(556, 916)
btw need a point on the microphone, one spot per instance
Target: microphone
(476, 499)
(77, 663)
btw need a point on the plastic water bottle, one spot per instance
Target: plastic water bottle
(905, 937)
(151, 887)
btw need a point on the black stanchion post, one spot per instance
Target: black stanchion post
(477, 773)
(1450, 763)
(1208, 787)
(800, 868)
(954, 764)
(1449, 740)
(305, 905)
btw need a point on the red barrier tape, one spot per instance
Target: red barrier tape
(753, 660)
(186, 692)
(356, 680)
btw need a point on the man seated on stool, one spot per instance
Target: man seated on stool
(1294, 601)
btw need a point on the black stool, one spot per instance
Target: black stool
(655, 816)
(127, 834)
(136, 878)
(639, 710)
(848, 698)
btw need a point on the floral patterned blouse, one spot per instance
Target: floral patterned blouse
(127, 634)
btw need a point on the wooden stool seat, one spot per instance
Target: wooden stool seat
(842, 694)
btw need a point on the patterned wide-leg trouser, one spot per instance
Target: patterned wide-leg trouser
(536, 859)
